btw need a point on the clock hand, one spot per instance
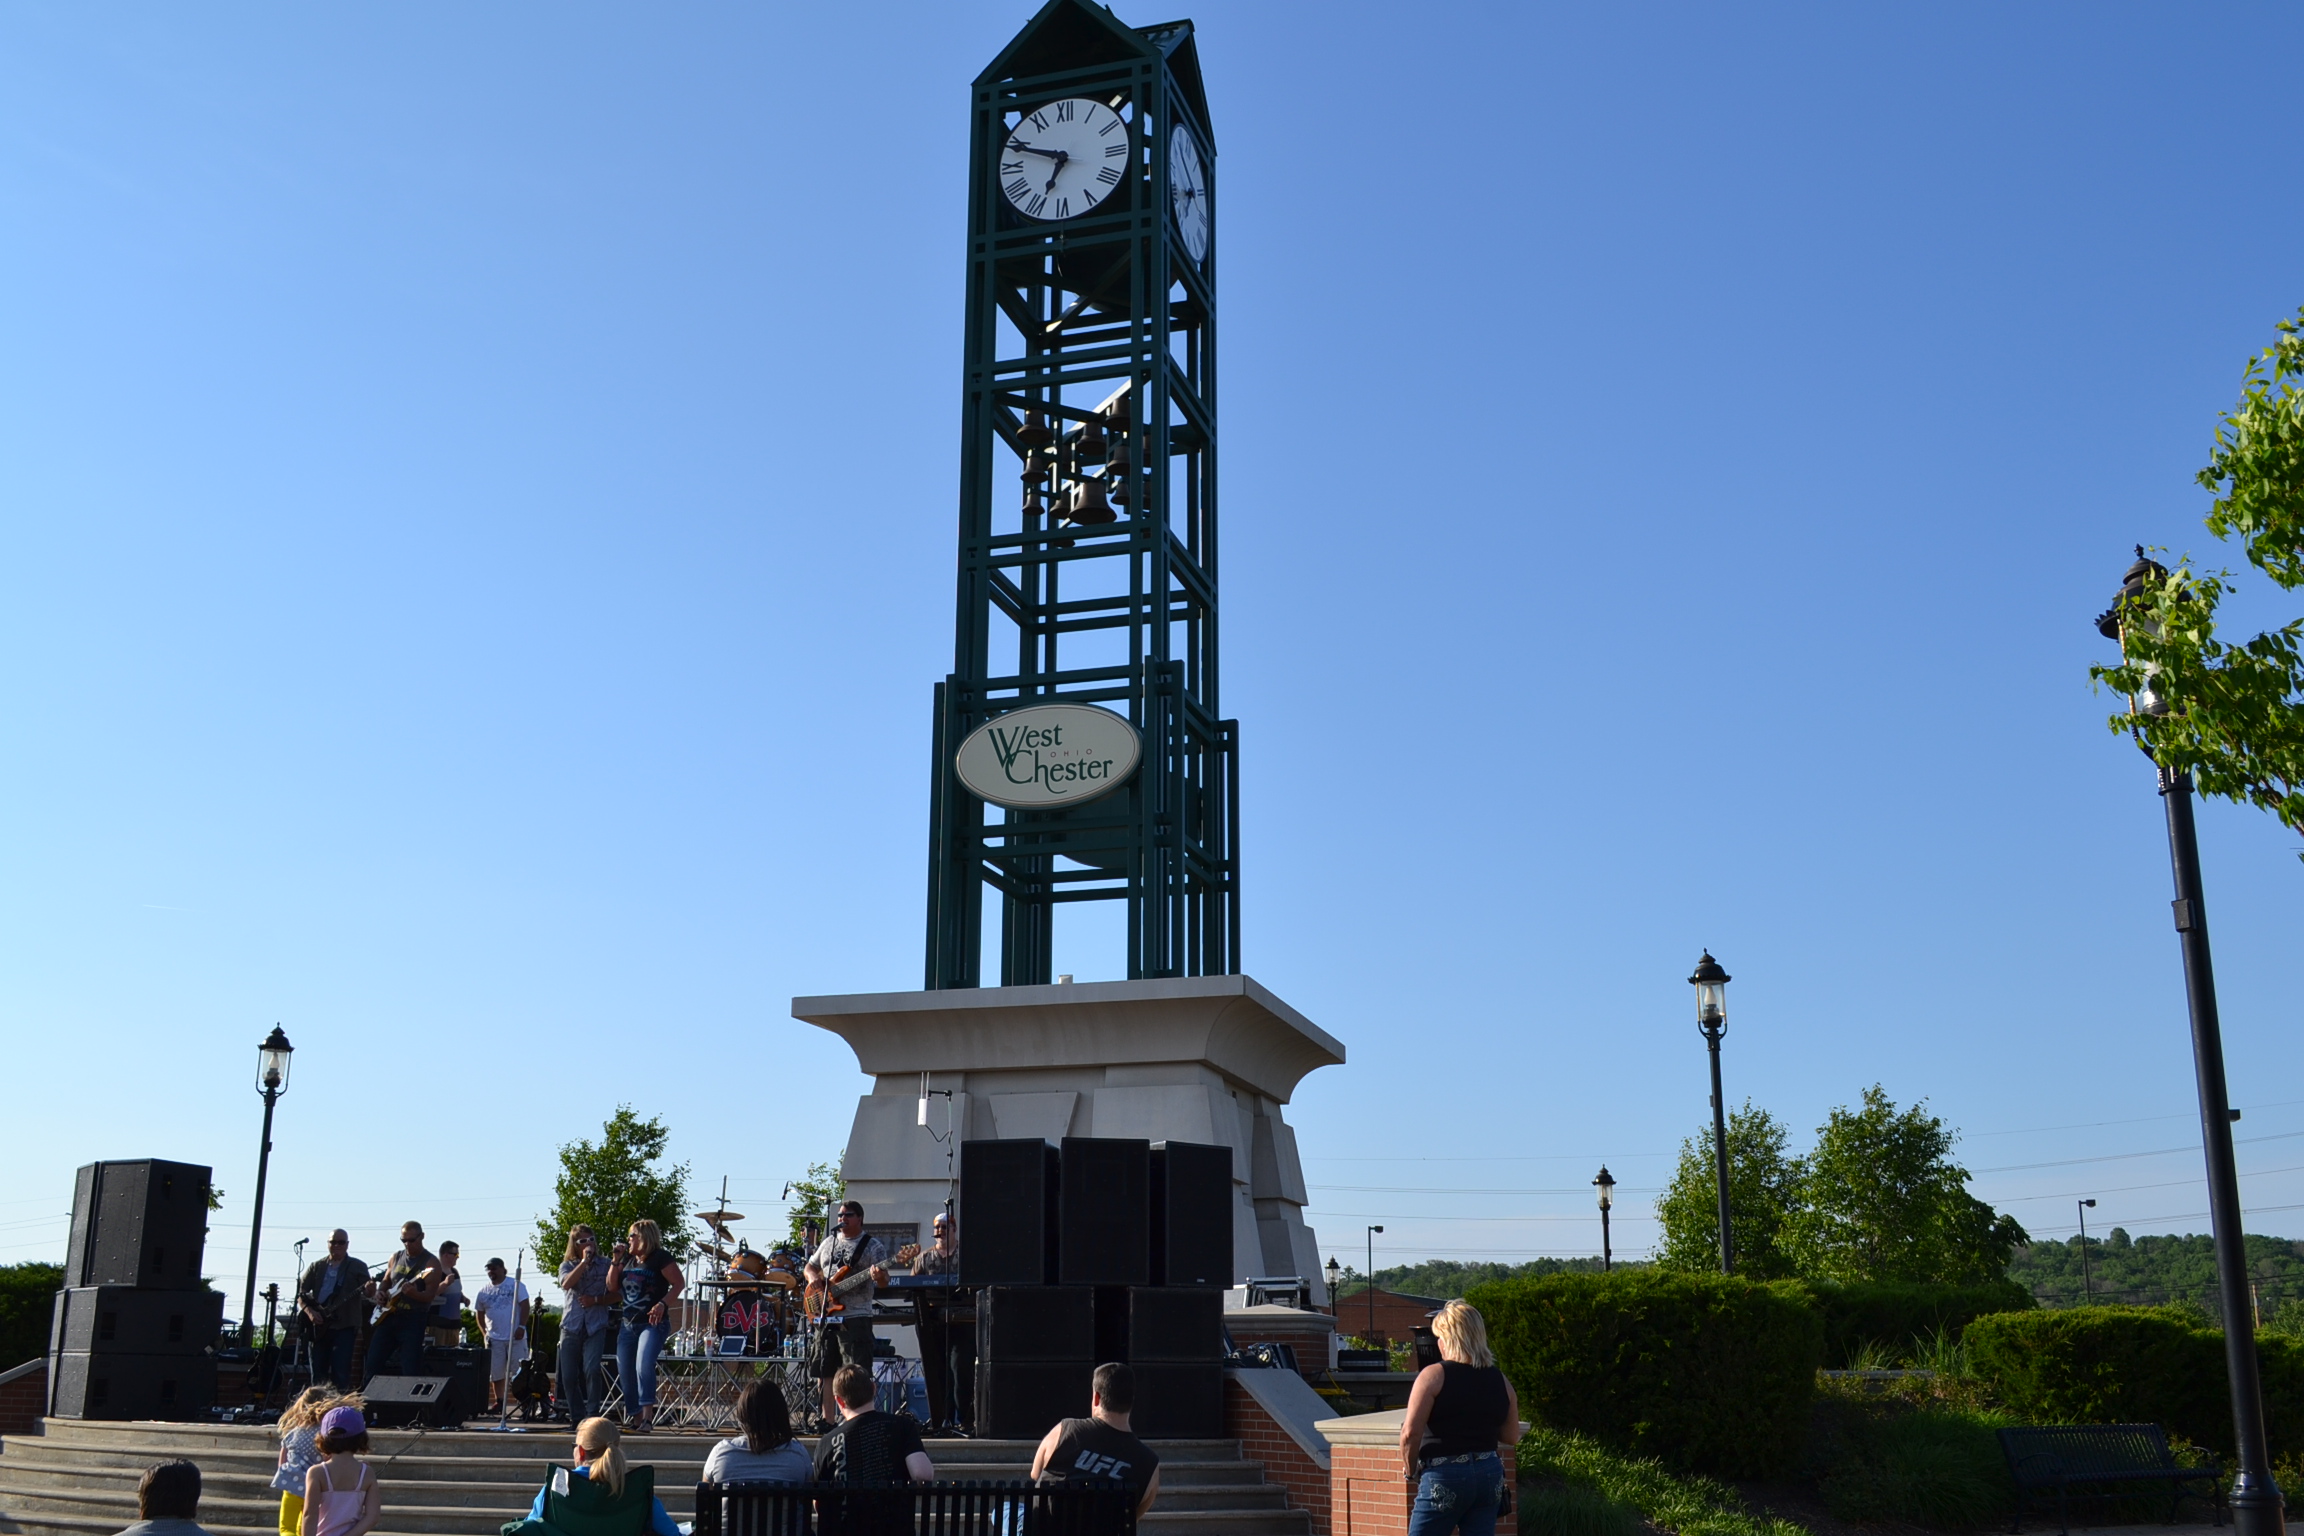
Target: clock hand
(1056, 170)
(1046, 154)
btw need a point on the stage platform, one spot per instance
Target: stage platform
(78, 1478)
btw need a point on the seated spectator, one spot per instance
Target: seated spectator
(766, 1451)
(603, 1497)
(869, 1445)
(1101, 1450)
(168, 1501)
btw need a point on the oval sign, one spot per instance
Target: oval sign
(1048, 755)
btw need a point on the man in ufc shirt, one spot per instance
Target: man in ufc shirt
(1100, 1450)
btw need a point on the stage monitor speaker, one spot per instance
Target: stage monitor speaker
(1023, 1399)
(108, 1385)
(126, 1320)
(1105, 1226)
(1035, 1322)
(1173, 1323)
(1192, 1203)
(395, 1402)
(1008, 1212)
(138, 1223)
(466, 1368)
(1177, 1400)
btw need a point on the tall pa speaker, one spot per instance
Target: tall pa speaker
(1105, 1230)
(1008, 1212)
(138, 1223)
(1191, 1214)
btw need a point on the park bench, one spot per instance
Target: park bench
(2105, 1457)
(913, 1509)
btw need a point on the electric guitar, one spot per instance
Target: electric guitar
(827, 1297)
(388, 1296)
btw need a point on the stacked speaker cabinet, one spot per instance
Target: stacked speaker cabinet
(1104, 1230)
(1008, 1193)
(1191, 1214)
(133, 1335)
(1175, 1344)
(1035, 1357)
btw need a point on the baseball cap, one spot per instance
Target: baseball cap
(343, 1421)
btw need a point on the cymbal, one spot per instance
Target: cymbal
(712, 1250)
(718, 1217)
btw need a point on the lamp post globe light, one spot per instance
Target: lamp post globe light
(1372, 1231)
(271, 1081)
(2257, 1507)
(2087, 1289)
(1711, 984)
(1335, 1273)
(1606, 1184)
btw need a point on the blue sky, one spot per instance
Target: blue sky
(477, 489)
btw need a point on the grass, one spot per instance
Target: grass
(1939, 1468)
(1601, 1493)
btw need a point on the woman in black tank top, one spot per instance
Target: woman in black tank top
(1459, 1413)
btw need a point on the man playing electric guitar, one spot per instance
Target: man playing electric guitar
(403, 1294)
(842, 1275)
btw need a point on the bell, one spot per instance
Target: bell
(1089, 445)
(1037, 464)
(1117, 489)
(1034, 433)
(1088, 504)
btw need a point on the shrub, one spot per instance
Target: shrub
(1902, 1317)
(2133, 1365)
(1933, 1468)
(27, 1303)
(1708, 1372)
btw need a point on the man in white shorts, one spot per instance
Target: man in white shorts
(502, 1308)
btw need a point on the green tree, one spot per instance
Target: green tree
(2232, 715)
(27, 1302)
(818, 1190)
(1763, 1189)
(613, 1182)
(1880, 1198)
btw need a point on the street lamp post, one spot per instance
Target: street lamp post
(1335, 1273)
(271, 1081)
(1606, 1184)
(2087, 1289)
(1711, 984)
(2257, 1507)
(1372, 1231)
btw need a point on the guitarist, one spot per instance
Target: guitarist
(842, 1276)
(403, 1294)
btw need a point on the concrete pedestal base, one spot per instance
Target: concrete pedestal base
(1202, 1058)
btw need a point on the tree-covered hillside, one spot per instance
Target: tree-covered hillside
(1444, 1278)
(2152, 1271)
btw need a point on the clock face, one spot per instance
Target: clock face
(1064, 158)
(1188, 191)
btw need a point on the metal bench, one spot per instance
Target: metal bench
(2068, 1456)
(911, 1509)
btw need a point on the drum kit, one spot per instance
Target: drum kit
(745, 1302)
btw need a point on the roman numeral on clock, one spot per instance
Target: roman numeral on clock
(1114, 149)
(1033, 207)
(1017, 188)
(1064, 111)
(1108, 176)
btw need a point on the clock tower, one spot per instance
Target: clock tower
(1087, 529)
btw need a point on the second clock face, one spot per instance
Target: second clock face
(1064, 158)
(1188, 191)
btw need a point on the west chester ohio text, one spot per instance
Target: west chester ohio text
(1032, 754)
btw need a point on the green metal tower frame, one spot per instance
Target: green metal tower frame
(1101, 324)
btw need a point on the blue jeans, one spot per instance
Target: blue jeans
(581, 1390)
(332, 1353)
(637, 1346)
(1458, 1496)
(402, 1334)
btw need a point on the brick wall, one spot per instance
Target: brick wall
(23, 1399)
(1369, 1496)
(1398, 1315)
(1284, 1461)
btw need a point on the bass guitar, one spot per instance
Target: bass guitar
(827, 1297)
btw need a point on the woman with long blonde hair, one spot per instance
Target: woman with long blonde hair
(1461, 1412)
(600, 1459)
(647, 1279)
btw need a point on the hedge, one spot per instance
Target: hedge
(1705, 1372)
(2133, 1365)
(1897, 1314)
